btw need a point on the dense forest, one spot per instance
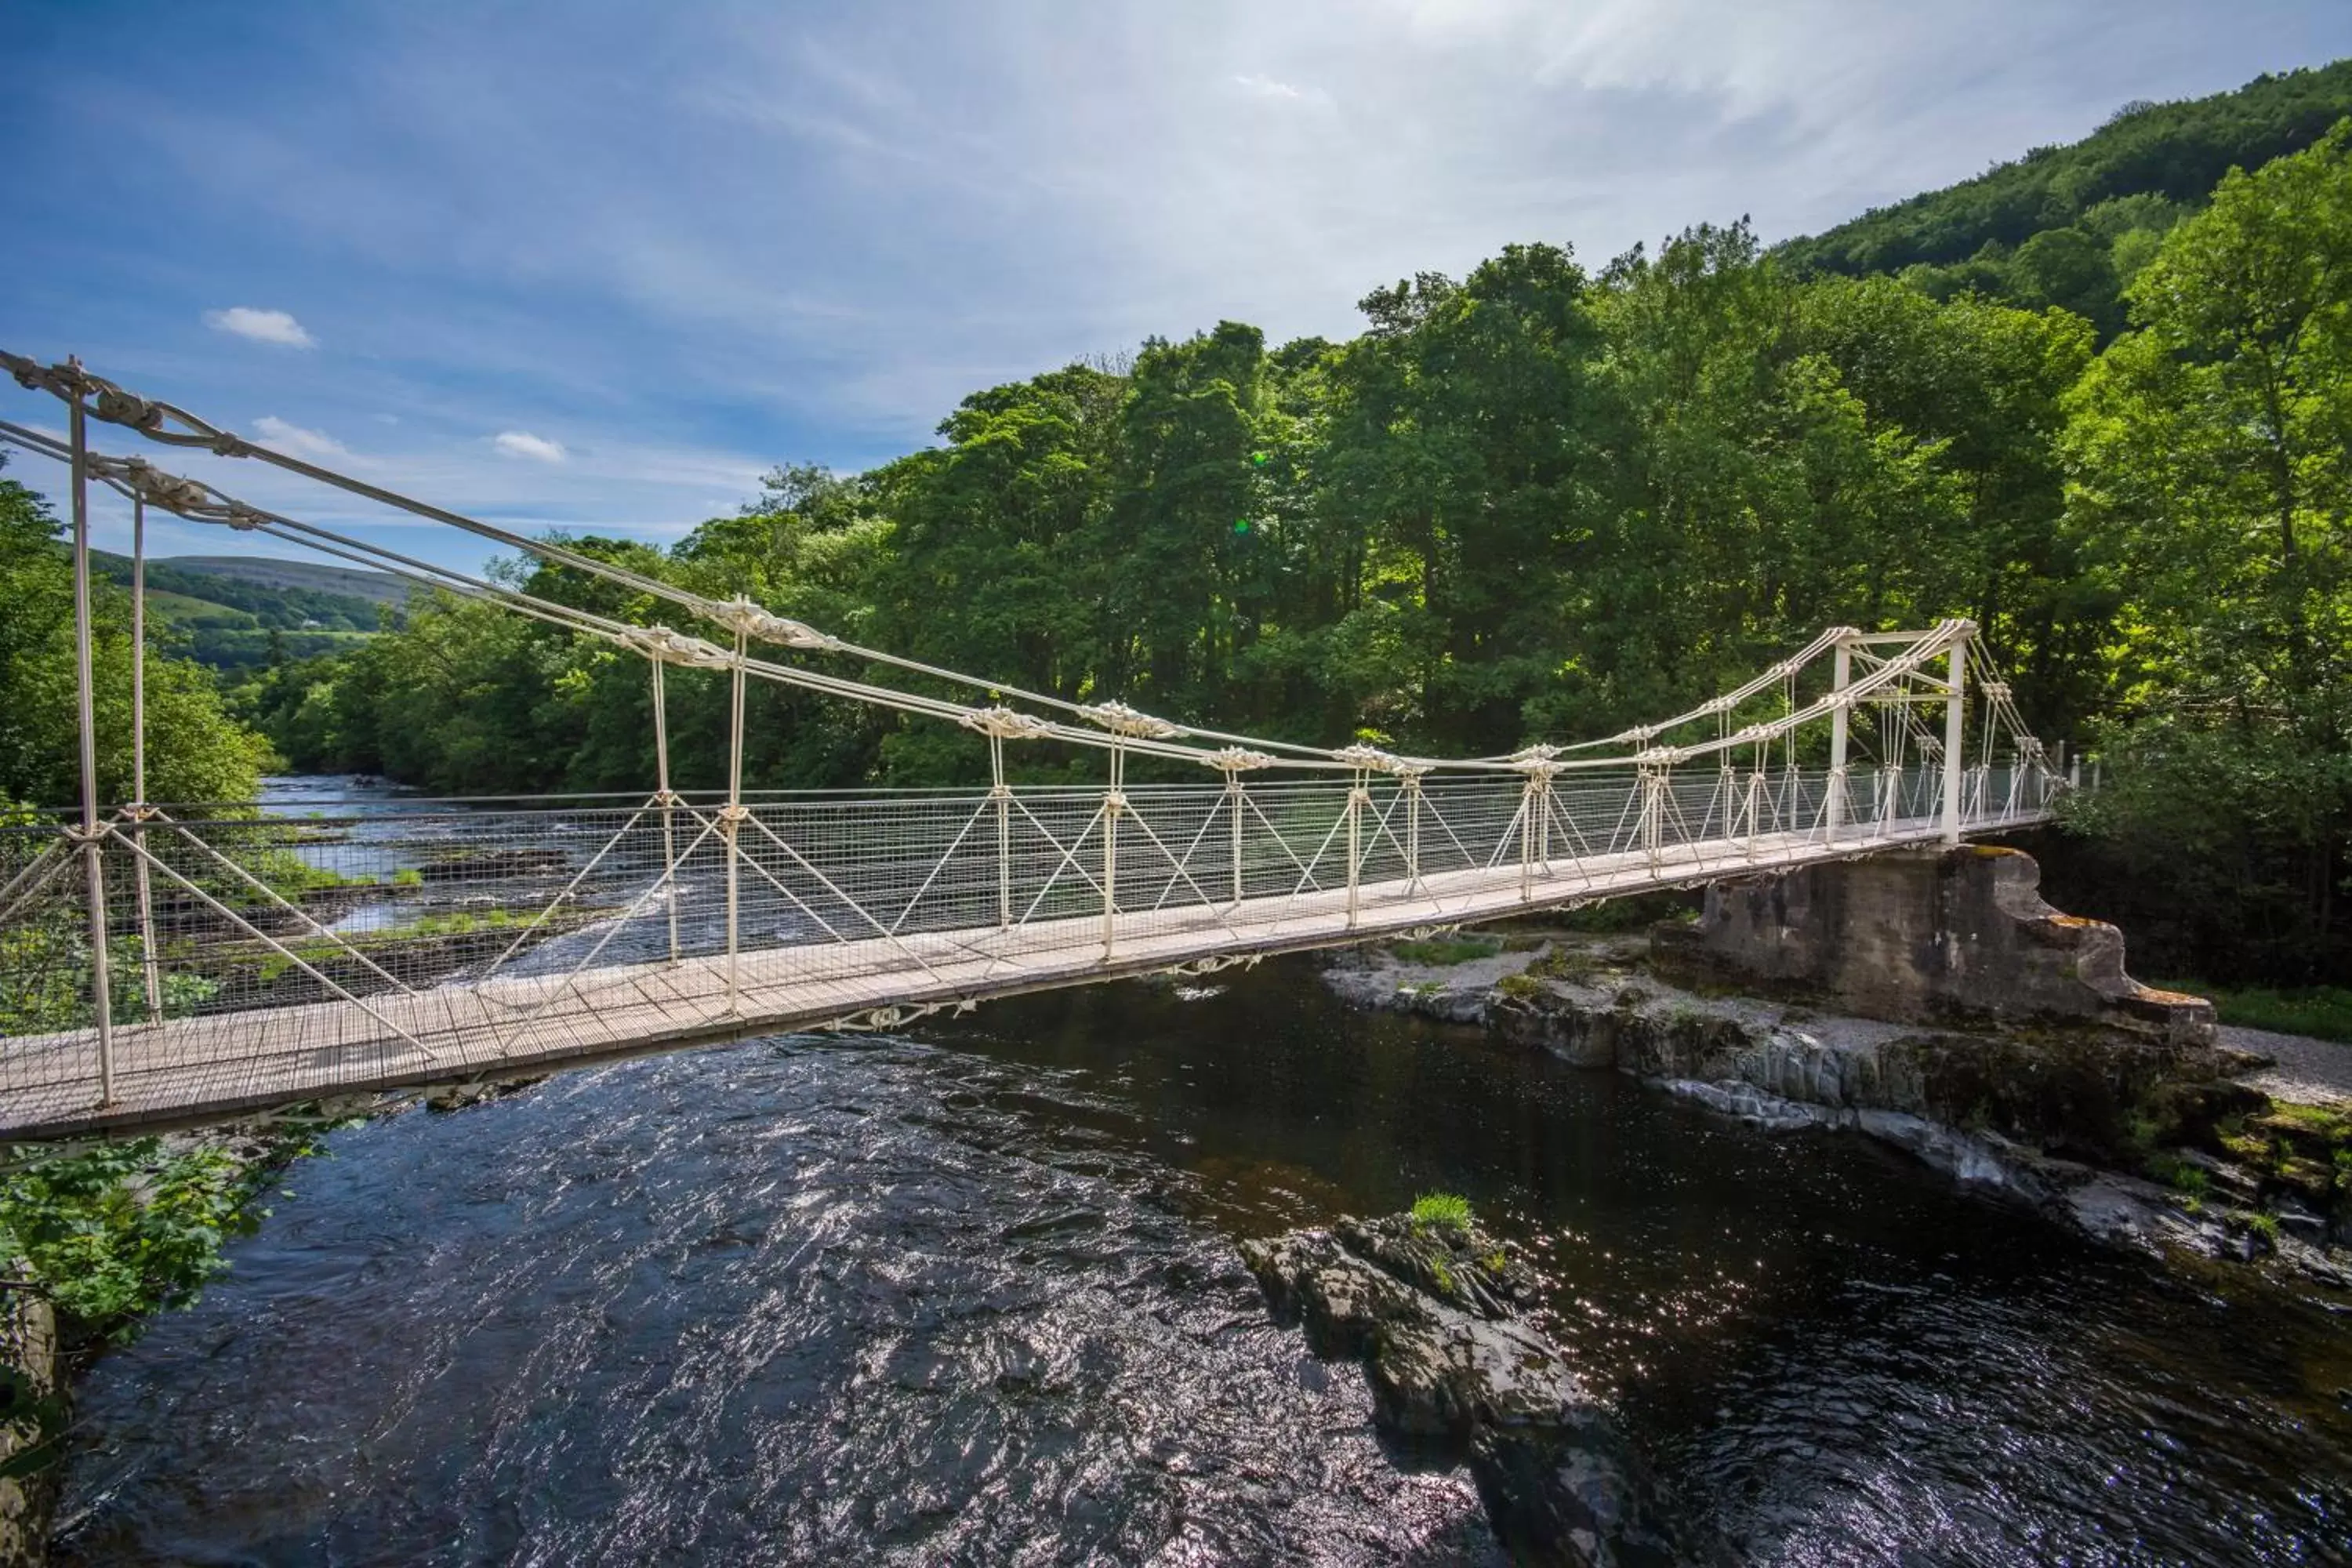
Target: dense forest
(1545, 500)
(2072, 226)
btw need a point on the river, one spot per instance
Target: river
(972, 1297)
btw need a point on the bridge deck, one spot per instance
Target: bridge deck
(196, 1068)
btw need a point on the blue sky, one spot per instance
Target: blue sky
(598, 266)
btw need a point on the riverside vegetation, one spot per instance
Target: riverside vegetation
(2100, 401)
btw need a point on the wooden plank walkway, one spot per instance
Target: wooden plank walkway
(189, 1071)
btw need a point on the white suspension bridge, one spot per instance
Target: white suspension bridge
(164, 964)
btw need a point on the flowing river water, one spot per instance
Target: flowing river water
(972, 1298)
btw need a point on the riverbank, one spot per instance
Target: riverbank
(2165, 1148)
(95, 1242)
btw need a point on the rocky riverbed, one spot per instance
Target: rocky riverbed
(1433, 1306)
(2164, 1145)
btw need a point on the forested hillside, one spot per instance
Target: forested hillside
(2072, 226)
(1544, 500)
(238, 615)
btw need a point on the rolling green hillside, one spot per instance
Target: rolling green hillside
(2072, 225)
(302, 576)
(236, 614)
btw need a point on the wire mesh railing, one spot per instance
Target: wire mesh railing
(351, 946)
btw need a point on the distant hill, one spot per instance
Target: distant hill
(2070, 225)
(238, 612)
(378, 587)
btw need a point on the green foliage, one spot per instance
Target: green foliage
(2210, 459)
(125, 1229)
(196, 752)
(1519, 987)
(2264, 1225)
(1440, 1210)
(1632, 914)
(44, 978)
(1441, 951)
(186, 596)
(1573, 964)
(456, 922)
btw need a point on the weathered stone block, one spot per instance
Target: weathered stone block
(1919, 936)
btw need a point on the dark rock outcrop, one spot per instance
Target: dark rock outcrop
(33, 1412)
(1433, 1313)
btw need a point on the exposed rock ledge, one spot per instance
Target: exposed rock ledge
(2020, 1059)
(1431, 1310)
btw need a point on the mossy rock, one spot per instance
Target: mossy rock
(2308, 1179)
(2312, 1131)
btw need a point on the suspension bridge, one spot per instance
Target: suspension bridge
(164, 964)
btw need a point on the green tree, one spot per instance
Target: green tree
(1988, 381)
(1459, 451)
(196, 752)
(2211, 454)
(1753, 499)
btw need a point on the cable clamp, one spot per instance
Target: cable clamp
(1122, 720)
(1005, 723)
(1235, 761)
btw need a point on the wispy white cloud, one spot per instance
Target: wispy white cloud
(524, 444)
(296, 441)
(1258, 84)
(262, 326)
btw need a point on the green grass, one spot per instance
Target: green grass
(2190, 1181)
(2322, 1012)
(1572, 964)
(457, 922)
(1448, 1209)
(1445, 951)
(182, 610)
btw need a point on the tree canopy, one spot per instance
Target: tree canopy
(196, 752)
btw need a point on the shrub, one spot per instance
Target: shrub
(125, 1229)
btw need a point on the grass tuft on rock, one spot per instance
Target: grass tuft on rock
(1449, 1211)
